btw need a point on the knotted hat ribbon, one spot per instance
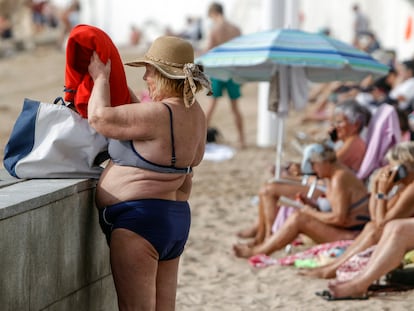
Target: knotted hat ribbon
(192, 72)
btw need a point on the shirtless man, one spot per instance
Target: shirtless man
(348, 198)
(221, 32)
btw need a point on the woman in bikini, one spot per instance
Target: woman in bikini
(348, 198)
(143, 193)
(348, 121)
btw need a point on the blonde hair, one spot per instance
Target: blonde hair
(169, 87)
(402, 153)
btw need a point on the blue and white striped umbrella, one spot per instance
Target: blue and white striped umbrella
(257, 56)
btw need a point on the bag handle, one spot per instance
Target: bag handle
(59, 99)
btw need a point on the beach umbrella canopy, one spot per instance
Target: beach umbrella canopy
(257, 56)
(277, 55)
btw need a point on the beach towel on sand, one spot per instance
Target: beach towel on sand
(324, 249)
(354, 265)
(332, 249)
(83, 40)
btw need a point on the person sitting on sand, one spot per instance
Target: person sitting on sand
(392, 198)
(387, 256)
(348, 198)
(349, 120)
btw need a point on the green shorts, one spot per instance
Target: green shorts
(233, 89)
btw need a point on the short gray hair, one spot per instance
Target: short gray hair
(322, 153)
(354, 112)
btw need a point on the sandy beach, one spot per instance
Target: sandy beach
(210, 277)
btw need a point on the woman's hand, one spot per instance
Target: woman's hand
(98, 69)
(306, 201)
(308, 209)
(384, 180)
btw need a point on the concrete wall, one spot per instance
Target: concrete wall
(53, 255)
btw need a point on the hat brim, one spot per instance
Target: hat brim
(168, 71)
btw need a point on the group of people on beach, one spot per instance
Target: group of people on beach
(359, 185)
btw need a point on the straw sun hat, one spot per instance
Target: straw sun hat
(173, 57)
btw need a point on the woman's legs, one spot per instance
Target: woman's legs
(368, 237)
(134, 263)
(268, 208)
(167, 284)
(297, 223)
(269, 196)
(396, 240)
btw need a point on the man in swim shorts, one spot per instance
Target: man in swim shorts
(223, 31)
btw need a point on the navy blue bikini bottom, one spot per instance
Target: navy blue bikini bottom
(163, 223)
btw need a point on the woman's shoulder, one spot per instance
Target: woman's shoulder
(358, 142)
(345, 177)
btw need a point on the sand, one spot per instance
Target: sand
(210, 277)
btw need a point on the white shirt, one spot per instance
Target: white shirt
(405, 90)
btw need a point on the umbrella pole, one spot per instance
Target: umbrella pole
(279, 145)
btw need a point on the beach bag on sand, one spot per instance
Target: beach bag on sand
(53, 141)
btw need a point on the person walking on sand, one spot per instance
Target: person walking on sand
(223, 31)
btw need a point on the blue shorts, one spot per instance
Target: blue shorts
(163, 223)
(233, 89)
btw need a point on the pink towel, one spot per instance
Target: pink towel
(282, 215)
(383, 133)
(354, 265)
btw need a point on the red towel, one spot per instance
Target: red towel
(83, 40)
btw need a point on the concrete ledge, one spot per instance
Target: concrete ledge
(29, 194)
(54, 255)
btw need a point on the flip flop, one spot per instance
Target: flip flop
(326, 294)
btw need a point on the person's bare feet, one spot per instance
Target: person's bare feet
(242, 251)
(347, 289)
(247, 233)
(320, 272)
